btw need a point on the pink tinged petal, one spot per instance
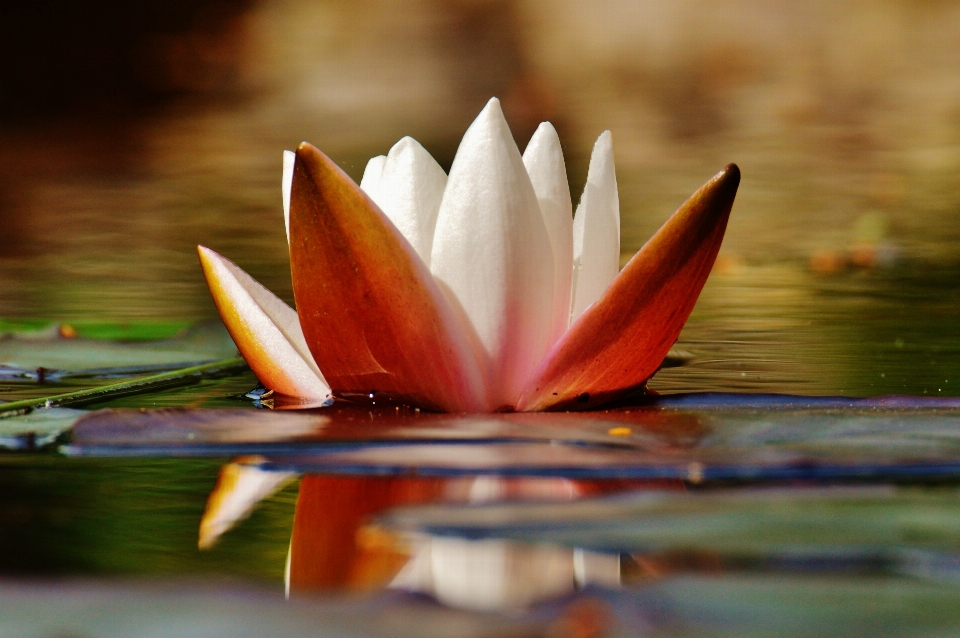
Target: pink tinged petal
(240, 486)
(621, 340)
(289, 157)
(492, 254)
(596, 230)
(409, 192)
(375, 319)
(266, 330)
(543, 159)
(371, 175)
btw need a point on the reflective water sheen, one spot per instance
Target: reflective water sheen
(692, 515)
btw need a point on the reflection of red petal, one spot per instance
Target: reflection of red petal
(619, 342)
(333, 548)
(325, 551)
(372, 314)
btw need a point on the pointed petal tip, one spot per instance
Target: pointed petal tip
(546, 127)
(717, 195)
(602, 147)
(491, 111)
(545, 135)
(403, 143)
(315, 162)
(729, 176)
(206, 255)
(306, 149)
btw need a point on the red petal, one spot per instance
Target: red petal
(619, 342)
(372, 314)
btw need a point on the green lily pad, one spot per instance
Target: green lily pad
(36, 429)
(194, 610)
(898, 523)
(45, 355)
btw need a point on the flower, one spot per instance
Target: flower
(473, 292)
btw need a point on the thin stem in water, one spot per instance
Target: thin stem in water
(129, 386)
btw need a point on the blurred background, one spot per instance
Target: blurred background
(130, 132)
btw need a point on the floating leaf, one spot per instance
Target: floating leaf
(177, 609)
(202, 431)
(647, 443)
(49, 356)
(36, 429)
(864, 521)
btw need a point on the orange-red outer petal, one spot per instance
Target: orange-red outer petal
(620, 341)
(372, 314)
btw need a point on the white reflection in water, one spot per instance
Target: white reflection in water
(491, 575)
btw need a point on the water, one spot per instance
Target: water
(838, 276)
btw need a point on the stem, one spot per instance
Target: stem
(130, 386)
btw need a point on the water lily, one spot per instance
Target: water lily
(474, 291)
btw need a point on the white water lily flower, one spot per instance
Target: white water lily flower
(472, 292)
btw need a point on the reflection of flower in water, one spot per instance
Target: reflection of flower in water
(335, 547)
(471, 292)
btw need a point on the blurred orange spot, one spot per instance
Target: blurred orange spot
(863, 255)
(727, 264)
(826, 262)
(621, 431)
(584, 618)
(67, 331)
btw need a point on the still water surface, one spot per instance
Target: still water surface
(839, 276)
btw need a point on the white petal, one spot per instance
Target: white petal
(596, 230)
(240, 487)
(492, 255)
(289, 157)
(548, 174)
(409, 192)
(371, 175)
(266, 330)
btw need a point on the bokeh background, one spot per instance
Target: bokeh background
(130, 132)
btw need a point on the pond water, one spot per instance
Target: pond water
(697, 514)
